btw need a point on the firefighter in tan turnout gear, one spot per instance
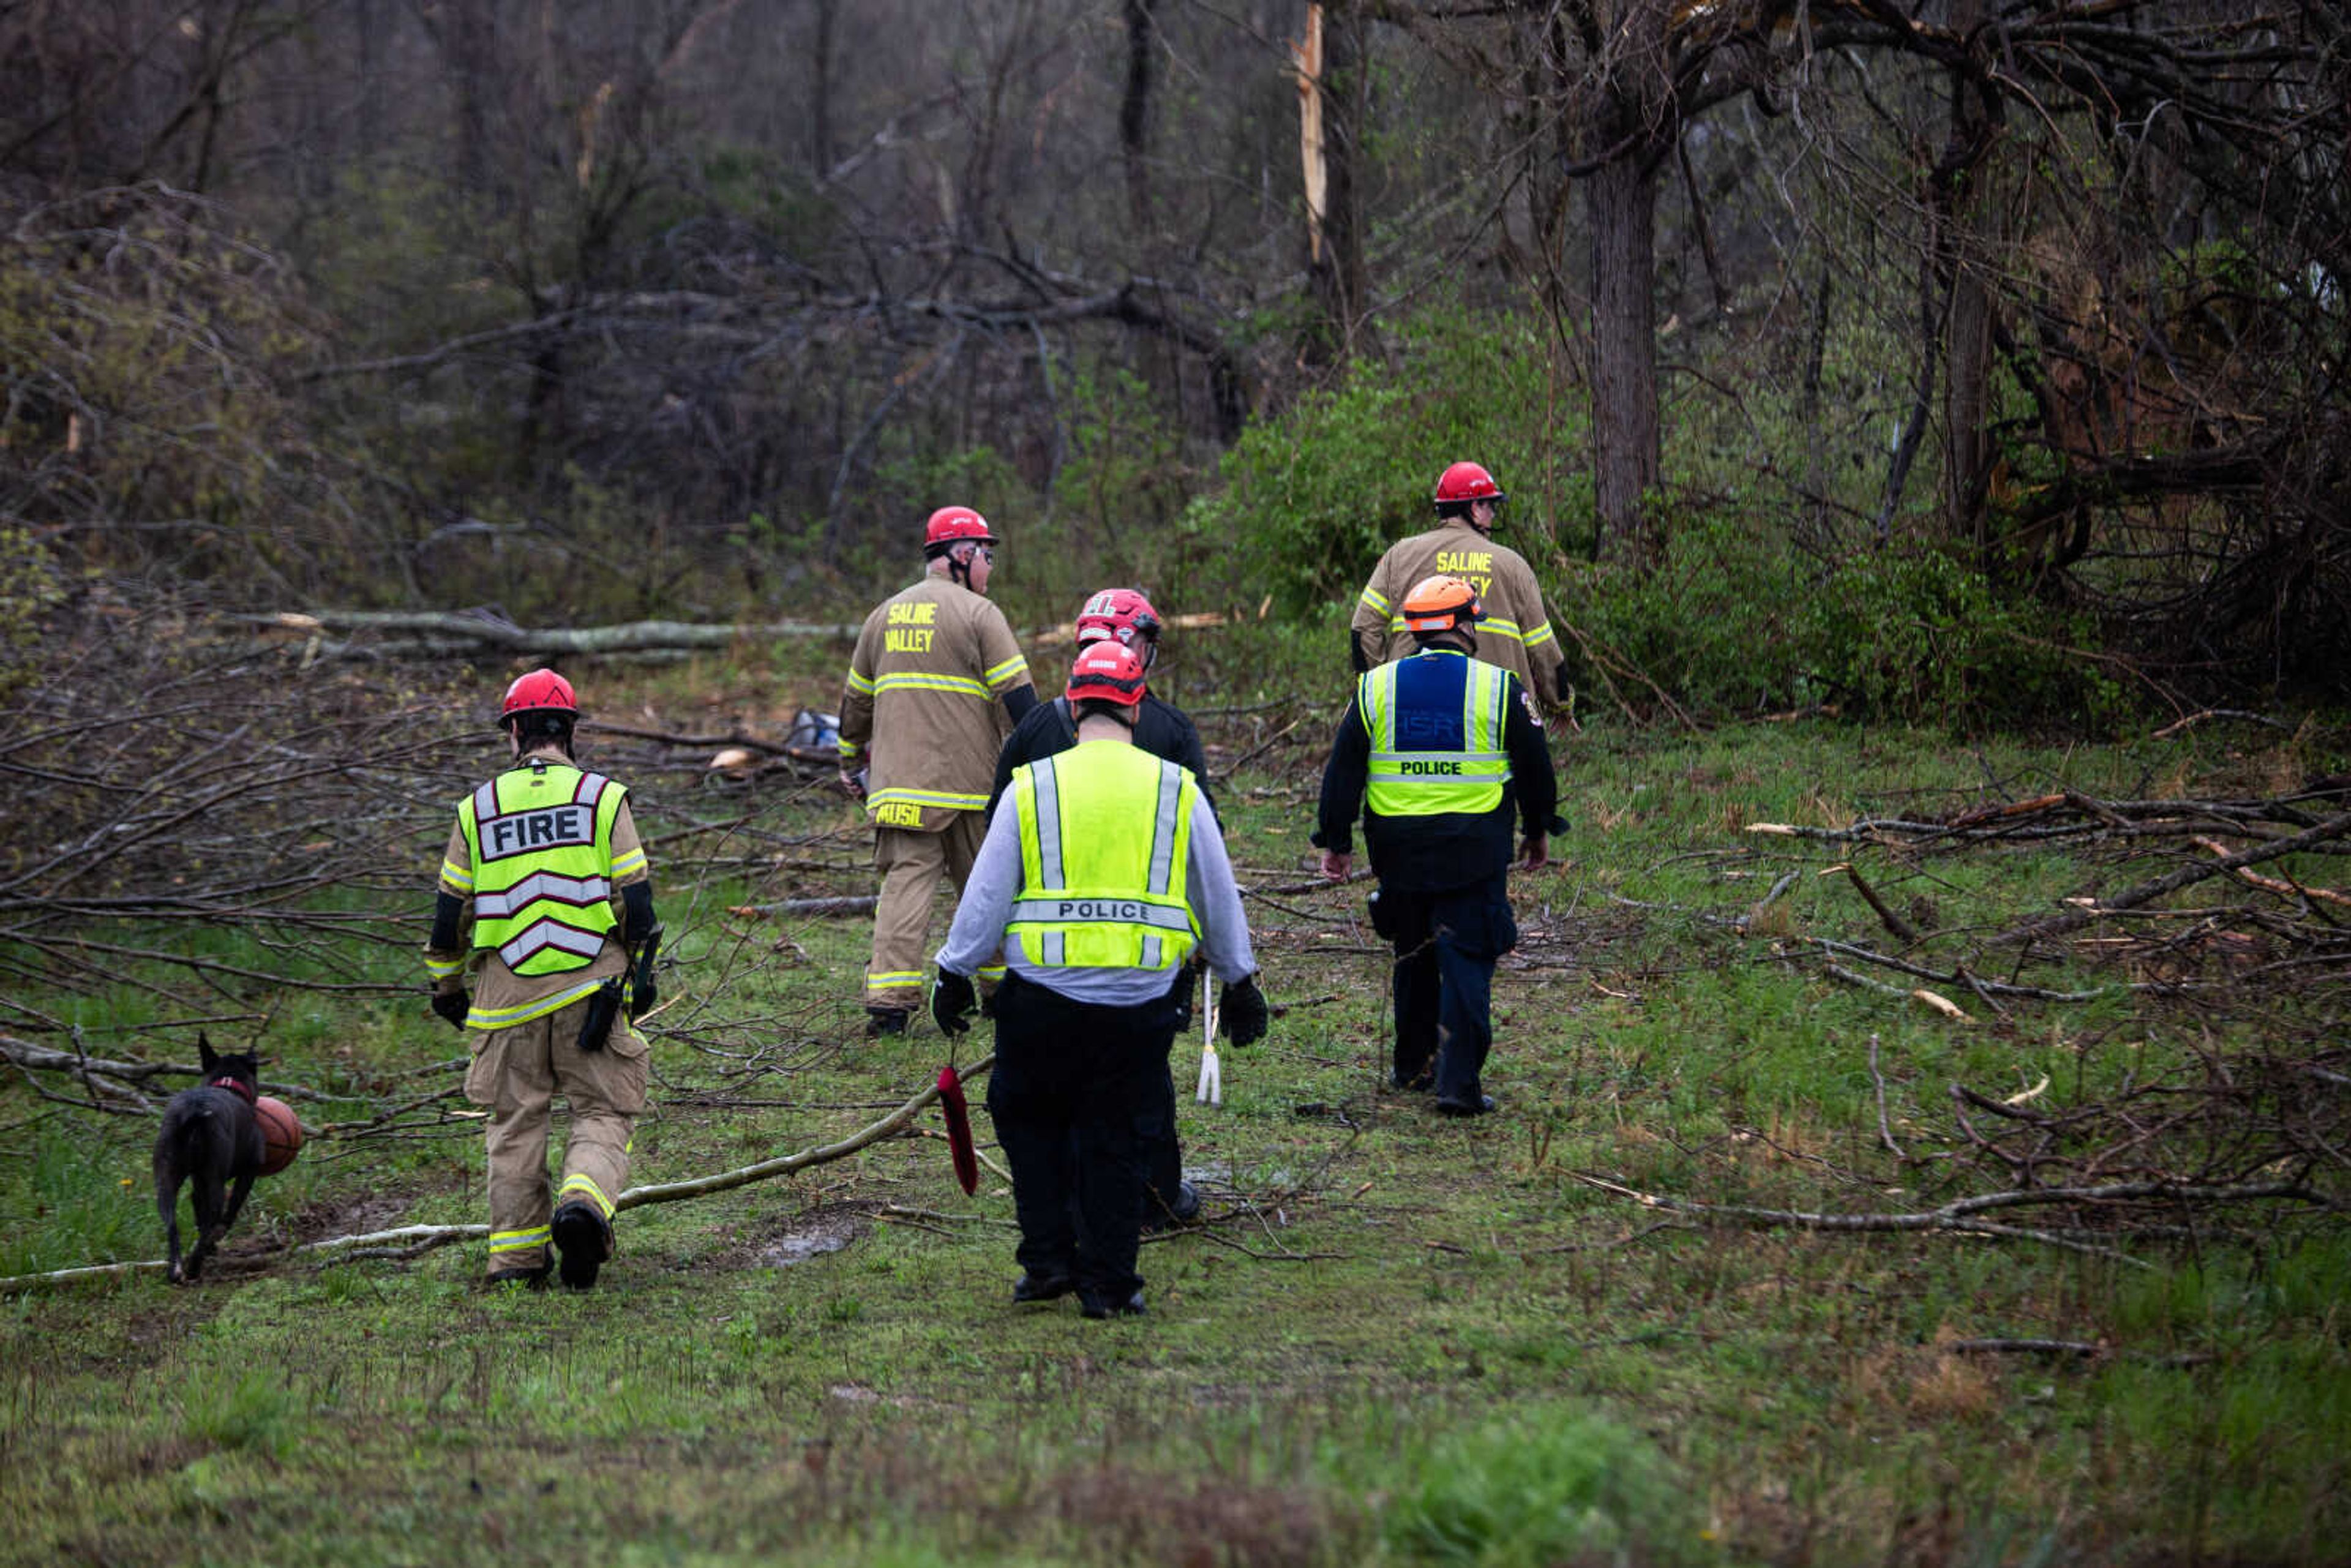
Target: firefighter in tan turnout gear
(1516, 631)
(544, 894)
(936, 685)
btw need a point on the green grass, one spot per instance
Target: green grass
(1403, 1341)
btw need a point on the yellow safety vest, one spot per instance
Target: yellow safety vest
(1105, 848)
(541, 838)
(1435, 721)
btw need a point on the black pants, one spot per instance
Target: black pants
(1164, 1176)
(1081, 1095)
(1445, 946)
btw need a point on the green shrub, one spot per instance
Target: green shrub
(28, 588)
(1540, 1488)
(1311, 498)
(1735, 619)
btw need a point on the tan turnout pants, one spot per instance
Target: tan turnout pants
(517, 1072)
(911, 864)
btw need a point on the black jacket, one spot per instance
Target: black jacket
(1453, 849)
(1160, 728)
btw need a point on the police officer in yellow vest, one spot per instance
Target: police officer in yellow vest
(1442, 751)
(543, 890)
(1102, 870)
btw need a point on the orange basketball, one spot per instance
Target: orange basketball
(281, 1131)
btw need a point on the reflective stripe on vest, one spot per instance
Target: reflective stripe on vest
(541, 844)
(1435, 721)
(1105, 852)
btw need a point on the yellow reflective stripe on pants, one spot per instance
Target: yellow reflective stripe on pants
(519, 1240)
(576, 1183)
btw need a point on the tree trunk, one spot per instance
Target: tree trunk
(1134, 115)
(1968, 231)
(1621, 195)
(1341, 284)
(821, 93)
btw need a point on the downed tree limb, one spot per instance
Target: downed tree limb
(784, 1164)
(1956, 976)
(2066, 1347)
(1965, 1215)
(494, 632)
(412, 1239)
(24, 1053)
(2276, 884)
(1902, 930)
(2187, 875)
(857, 904)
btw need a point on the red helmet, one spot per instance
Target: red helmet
(1464, 483)
(953, 525)
(1125, 614)
(1440, 604)
(541, 690)
(1106, 671)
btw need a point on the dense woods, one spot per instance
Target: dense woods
(1948, 351)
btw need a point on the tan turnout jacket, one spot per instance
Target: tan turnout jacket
(1516, 631)
(921, 709)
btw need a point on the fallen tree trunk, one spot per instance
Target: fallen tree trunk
(491, 632)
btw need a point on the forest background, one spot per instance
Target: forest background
(1923, 1137)
(1962, 357)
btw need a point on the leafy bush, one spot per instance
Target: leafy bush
(1311, 498)
(28, 587)
(1735, 619)
(1543, 1488)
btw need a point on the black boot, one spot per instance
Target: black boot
(884, 1022)
(1041, 1288)
(584, 1237)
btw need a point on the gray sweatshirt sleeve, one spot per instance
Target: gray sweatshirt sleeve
(987, 902)
(1216, 898)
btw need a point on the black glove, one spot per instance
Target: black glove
(453, 1005)
(642, 995)
(1242, 1007)
(951, 998)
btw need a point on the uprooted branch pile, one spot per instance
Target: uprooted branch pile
(2287, 926)
(165, 788)
(2199, 919)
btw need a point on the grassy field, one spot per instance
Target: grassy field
(1397, 1339)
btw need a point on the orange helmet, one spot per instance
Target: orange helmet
(1440, 604)
(1106, 671)
(951, 526)
(1121, 614)
(1464, 483)
(541, 690)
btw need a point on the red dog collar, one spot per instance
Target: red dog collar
(233, 1083)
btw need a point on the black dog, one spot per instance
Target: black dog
(211, 1137)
